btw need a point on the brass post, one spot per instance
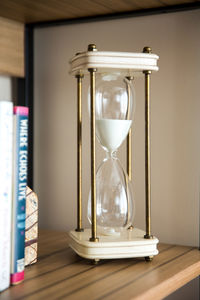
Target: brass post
(129, 143)
(147, 151)
(129, 154)
(79, 153)
(92, 71)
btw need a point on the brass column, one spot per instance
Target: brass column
(129, 143)
(129, 155)
(79, 153)
(147, 151)
(92, 71)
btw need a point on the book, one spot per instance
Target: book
(6, 130)
(20, 172)
(31, 232)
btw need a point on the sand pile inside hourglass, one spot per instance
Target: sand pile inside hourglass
(112, 132)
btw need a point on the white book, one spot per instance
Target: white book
(6, 132)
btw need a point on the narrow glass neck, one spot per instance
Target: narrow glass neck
(111, 154)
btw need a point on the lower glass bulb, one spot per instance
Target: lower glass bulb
(114, 199)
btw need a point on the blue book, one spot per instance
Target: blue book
(20, 172)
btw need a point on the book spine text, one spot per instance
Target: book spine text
(20, 166)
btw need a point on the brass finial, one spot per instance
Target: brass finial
(79, 75)
(147, 50)
(92, 47)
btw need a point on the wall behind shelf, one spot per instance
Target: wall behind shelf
(6, 88)
(175, 121)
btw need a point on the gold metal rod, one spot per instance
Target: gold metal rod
(129, 145)
(147, 156)
(94, 237)
(129, 154)
(129, 142)
(147, 150)
(79, 153)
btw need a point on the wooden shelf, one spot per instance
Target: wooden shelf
(29, 11)
(11, 48)
(60, 273)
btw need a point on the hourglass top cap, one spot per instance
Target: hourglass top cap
(107, 61)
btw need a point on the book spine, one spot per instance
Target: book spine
(6, 128)
(31, 235)
(20, 167)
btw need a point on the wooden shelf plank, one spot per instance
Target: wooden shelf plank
(11, 48)
(28, 11)
(59, 272)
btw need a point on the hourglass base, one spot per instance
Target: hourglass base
(129, 244)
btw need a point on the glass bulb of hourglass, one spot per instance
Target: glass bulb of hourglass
(114, 111)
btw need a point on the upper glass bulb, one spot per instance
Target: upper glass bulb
(115, 105)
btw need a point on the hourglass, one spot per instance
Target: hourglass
(111, 206)
(114, 108)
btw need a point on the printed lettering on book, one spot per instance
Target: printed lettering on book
(20, 168)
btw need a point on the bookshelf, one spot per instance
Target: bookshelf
(60, 273)
(176, 265)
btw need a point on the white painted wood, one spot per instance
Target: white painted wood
(127, 245)
(119, 61)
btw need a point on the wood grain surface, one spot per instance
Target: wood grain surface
(28, 11)
(11, 48)
(61, 274)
